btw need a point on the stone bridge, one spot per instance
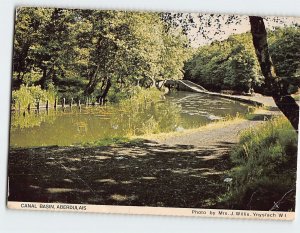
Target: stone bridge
(185, 85)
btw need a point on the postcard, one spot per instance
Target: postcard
(165, 113)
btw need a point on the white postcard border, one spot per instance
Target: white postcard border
(144, 210)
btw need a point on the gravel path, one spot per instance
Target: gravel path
(212, 137)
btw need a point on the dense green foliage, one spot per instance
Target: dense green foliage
(99, 53)
(87, 52)
(284, 49)
(229, 64)
(265, 159)
(232, 64)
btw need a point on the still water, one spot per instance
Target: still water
(179, 111)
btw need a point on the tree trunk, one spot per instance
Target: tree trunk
(105, 92)
(43, 80)
(90, 87)
(274, 85)
(92, 82)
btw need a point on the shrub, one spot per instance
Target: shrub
(265, 171)
(29, 95)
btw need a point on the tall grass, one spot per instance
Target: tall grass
(265, 170)
(30, 95)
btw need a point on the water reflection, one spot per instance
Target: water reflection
(73, 126)
(200, 109)
(28, 119)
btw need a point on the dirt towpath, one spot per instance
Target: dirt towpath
(211, 137)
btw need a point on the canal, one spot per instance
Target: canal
(178, 111)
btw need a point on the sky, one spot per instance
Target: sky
(208, 27)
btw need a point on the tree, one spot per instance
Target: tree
(92, 52)
(284, 50)
(125, 54)
(28, 26)
(225, 65)
(274, 85)
(46, 50)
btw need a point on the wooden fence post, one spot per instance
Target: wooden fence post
(38, 105)
(55, 103)
(79, 105)
(71, 102)
(100, 101)
(64, 103)
(47, 104)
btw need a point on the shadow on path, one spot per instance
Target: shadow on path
(136, 174)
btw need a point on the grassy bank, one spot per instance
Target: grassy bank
(265, 168)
